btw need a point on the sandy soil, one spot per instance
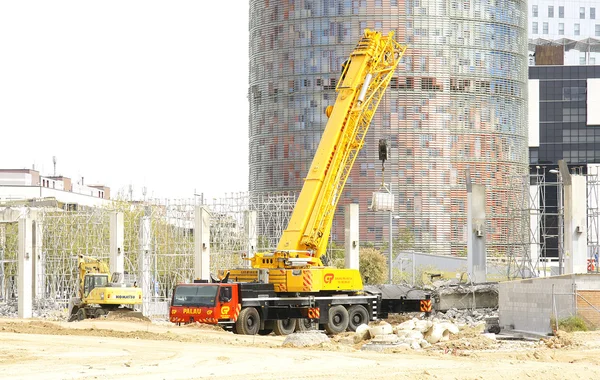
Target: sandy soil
(131, 349)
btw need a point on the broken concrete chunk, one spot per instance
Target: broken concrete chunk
(362, 333)
(383, 328)
(305, 339)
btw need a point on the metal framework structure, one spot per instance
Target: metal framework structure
(527, 220)
(158, 243)
(534, 220)
(593, 211)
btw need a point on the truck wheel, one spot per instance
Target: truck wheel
(357, 316)
(265, 331)
(284, 326)
(248, 322)
(304, 324)
(338, 320)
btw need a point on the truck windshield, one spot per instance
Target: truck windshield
(195, 295)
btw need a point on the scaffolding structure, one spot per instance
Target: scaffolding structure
(536, 218)
(527, 232)
(8, 260)
(593, 211)
(158, 243)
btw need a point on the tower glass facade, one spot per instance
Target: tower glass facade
(457, 102)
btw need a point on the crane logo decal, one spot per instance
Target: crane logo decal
(328, 278)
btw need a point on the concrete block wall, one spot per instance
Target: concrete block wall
(588, 281)
(526, 305)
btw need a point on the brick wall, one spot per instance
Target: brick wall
(585, 310)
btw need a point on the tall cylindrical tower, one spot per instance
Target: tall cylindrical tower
(458, 102)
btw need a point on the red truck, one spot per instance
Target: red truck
(255, 308)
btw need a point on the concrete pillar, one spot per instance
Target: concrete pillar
(117, 237)
(144, 262)
(251, 234)
(202, 243)
(25, 282)
(351, 235)
(534, 226)
(39, 260)
(476, 254)
(2, 258)
(575, 234)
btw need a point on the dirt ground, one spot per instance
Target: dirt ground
(132, 349)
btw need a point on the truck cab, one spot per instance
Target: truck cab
(210, 303)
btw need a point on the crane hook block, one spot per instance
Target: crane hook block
(328, 111)
(384, 151)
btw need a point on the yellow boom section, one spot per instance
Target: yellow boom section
(365, 77)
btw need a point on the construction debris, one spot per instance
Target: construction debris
(43, 309)
(414, 334)
(452, 295)
(305, 339)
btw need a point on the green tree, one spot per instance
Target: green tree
(373, 266)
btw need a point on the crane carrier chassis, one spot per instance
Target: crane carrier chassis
(255, 308)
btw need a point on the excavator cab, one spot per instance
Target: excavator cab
(94, 281)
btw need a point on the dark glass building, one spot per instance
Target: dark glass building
(564, 121)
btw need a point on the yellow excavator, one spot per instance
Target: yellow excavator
(100, 293)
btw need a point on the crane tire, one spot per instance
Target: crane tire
(337, 321)
(304, 324)
(248, 322)
(284, 326)
(357, 315)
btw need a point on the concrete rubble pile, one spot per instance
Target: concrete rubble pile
(306, 339)
(44, 309)
(465, 317)
(451, 294)
(413, 334)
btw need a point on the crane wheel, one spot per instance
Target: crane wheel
(304, 324)
(265, 331)
(248, 322)
(284, 326)
(357, 315)
(337, 321)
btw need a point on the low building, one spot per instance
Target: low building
(28, 185)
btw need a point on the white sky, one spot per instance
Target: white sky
(147, 93)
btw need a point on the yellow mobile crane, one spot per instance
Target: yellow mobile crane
(290, 289)
(296, 265)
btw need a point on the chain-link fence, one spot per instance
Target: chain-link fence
(158, 244)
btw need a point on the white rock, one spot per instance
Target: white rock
(305, 339)
(437, 333)
(415, 334)
(381, 329)
(385, 339)
(408, 325)
(451, 327)
(415, 345)
(424, 343)
(362, 333)
(423, 326)
(491, 336)
(362, 328)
